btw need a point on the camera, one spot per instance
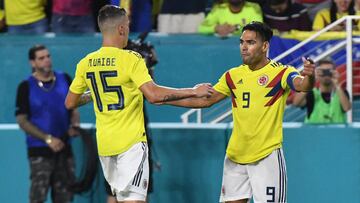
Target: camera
(145, 49)
(326, 72)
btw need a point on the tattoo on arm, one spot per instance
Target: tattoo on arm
(85, 98)
(171, 97)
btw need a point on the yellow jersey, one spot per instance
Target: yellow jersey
(2, 14)
(114, 76)
(258, 103)
(21, 12)
(323, 19)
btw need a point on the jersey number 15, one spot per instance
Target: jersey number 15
(106, 89)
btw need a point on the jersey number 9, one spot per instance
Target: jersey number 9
(246, 99)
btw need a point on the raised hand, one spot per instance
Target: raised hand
(203, 90)
(335, 77)
(309, 67)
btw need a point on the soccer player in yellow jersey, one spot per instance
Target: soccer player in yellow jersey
(117, 80)
(254, 165)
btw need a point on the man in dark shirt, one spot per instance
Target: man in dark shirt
(41, 113)
(283, 15)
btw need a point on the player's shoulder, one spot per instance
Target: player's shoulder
(87, 57)
(278, 65)
(236, 70)
(241, 67)
(132, 54)
(275, 64)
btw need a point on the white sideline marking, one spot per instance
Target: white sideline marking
(14, 126)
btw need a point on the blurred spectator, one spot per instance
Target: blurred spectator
(141, 16)
(139, 12)
(283, 15)
(229, 18)
(2, 17)
(179, 16)
(357, 7)
(72, 16)
(260, 2)
(314, 6)
(329, 102)
(26, 17)
(338, 9)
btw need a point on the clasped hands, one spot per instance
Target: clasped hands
(224, 30)
(203, 90)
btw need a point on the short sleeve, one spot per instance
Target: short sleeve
(78, 85)
(222, 86)
(287, 81)
(68, 78)
(22, 99)
(139, 73)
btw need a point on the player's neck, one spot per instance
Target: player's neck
(259, 65)
(113, 41)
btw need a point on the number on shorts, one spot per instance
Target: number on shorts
(106, 88)
(270, 191)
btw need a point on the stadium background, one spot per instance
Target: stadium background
(322, 160)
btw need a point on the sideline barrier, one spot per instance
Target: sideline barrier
(322, 164)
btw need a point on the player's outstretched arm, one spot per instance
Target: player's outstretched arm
(74, 100)
(156, 94)
(202, 102)
(306, 83)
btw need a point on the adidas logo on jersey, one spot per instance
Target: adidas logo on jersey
(240, 82)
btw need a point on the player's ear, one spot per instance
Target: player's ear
(121, 30)
(265, 46)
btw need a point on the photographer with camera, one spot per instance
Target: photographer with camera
(329, 102)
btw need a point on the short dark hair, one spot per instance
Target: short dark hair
(108, 12)
(325, 61)
(276, 2)
(34, 49)
(262, 29)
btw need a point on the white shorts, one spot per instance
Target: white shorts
(264, 180)
(128, 173)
